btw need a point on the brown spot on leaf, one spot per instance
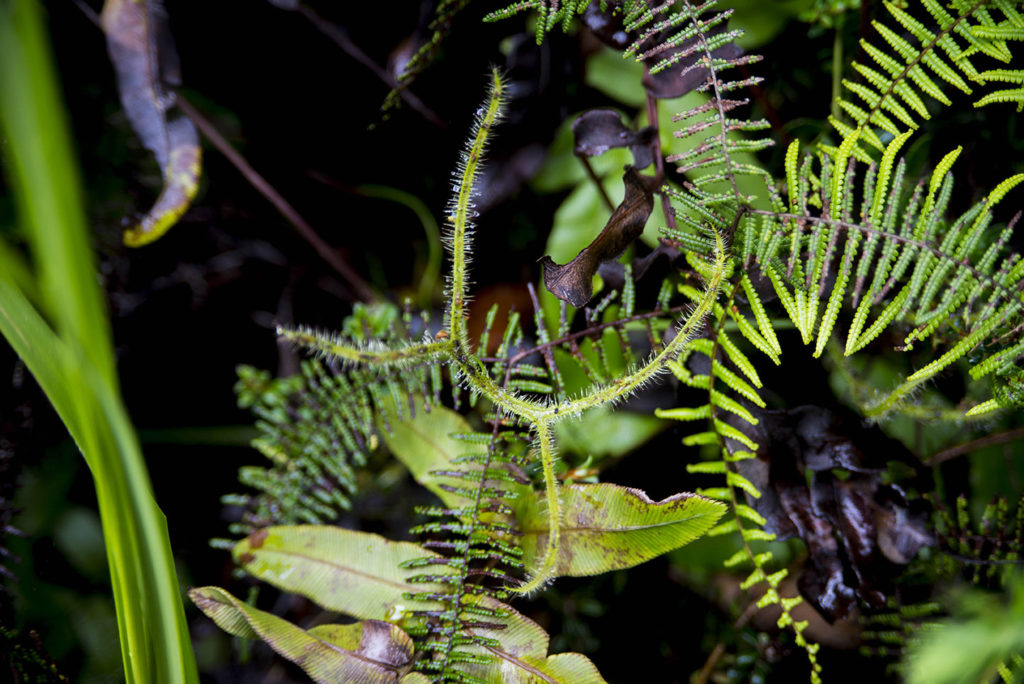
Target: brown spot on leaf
(257, 538)
(379, 643)
(571, 282)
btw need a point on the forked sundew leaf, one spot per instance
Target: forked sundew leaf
(355, 573)
(424, 445)
(521, 656)
(572, 282)
(609, 527)
(146, 64)
(370, 651)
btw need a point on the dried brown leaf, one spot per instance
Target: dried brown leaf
(572, 282)
(599, 130)
(821, 479)
(146, 65)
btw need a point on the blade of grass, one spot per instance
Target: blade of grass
(72, 356)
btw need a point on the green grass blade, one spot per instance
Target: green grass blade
(73, 358)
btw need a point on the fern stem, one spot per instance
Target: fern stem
(717, 99)
(474, 524)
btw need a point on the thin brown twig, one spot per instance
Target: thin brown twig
(340, 36)
(975, 444)
(358, 285)
(362, 289)
(591, 330)
(597, 181)
(651, 104)
(719, 650)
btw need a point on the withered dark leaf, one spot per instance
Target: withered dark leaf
(571, 282)
(599, 130)
(607, 25)
(855, 525)
(146, 65)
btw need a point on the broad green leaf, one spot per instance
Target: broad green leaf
(369, 652)
(602, 432)
(522, 654)
(424, 444)
(355, 573)
(608, 527)
(358, 574)
(616, 77)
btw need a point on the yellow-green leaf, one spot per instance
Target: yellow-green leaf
(355, 573)
(522, 657)
(424, 444)
(609, 527)
(369, 652)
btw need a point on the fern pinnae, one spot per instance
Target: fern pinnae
(483, 549)
(764, 324)
(733, 445)
(889, 89)
(835, 300)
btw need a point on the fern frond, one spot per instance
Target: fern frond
(901, 262)
(549, 13)
(728, 418)
(909, 62)
(984, 549)
(696, 34)
(315, 429)
(479, 543)
(439, 28)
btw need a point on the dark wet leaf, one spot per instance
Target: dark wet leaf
(146, 64)
(599, 130)
(821, 479)
(673, 81)
(607, 25)
(572, 282)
